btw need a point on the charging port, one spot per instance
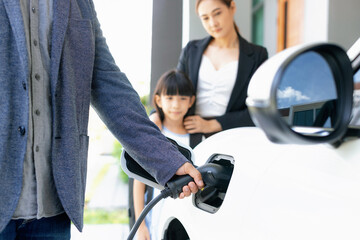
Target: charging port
(216, 183)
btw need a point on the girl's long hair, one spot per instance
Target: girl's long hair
(173, 82)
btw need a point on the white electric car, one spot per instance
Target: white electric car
(294, 176)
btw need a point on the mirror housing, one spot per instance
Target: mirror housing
(263, 90)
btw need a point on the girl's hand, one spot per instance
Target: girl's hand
(143, 232)
(196, 124)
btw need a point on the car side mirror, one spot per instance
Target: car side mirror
(134, 170)
(303, 94)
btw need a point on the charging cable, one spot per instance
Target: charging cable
(214, 175)
(172, 189)
(166, 192)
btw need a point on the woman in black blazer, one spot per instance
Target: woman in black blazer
(224, 40)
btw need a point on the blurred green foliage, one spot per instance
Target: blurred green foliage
(102, 216)
(116, 153)
(145, 100)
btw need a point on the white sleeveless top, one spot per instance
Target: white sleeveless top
(214, 87)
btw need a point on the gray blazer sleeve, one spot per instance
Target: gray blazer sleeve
(119, 106)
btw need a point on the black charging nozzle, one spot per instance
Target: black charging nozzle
(215, 176)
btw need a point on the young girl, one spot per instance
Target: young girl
(173, 96)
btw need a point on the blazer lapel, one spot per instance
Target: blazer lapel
(246, 63)
(194, 68)
(60, 23)
(14, 13)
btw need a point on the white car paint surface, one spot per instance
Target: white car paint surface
(276, 191)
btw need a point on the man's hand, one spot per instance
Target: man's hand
(188, 168)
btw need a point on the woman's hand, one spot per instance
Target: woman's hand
(196, 124)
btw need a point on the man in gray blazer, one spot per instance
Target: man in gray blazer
(54, 62)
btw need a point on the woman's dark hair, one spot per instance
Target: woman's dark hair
(226, 2)
(173, 82)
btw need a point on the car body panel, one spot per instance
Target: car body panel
(277, 191)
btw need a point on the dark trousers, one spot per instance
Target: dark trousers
(53, 228)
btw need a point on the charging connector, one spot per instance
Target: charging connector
(214, 175)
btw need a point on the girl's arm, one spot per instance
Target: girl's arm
(155, 118)
(139, 203)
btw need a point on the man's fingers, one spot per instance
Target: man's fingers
(193, 187)
(185, 192)
(196, 175)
